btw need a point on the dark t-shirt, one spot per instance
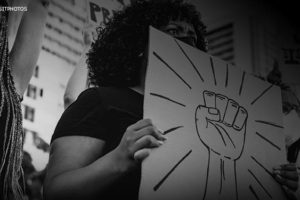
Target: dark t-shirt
(105, 113)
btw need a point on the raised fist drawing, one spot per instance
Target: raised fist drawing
(221, 125)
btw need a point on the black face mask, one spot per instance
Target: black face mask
(187, 39)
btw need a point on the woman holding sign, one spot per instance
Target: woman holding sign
(101, 139)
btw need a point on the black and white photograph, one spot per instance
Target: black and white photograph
(149, 100)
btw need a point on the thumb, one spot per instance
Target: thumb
(211, 114)
(290, 194)
(140, 155)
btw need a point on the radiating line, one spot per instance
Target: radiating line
(266, 170)
(266, 90)
(226, 134)
(195, 68)
(213, 69)
(227, 74)
(172, 129)
(253, 192)
(260, 183)
(157, 56)
(269, 123)
(166, 98)
(242, 83)
(156, 187)
(267, 140)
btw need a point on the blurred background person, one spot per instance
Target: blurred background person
(33, 179)
(16, 69)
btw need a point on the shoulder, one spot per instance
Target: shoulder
(87, 100)
(90, 93)
(88, 115)
(81, 117)
(100, 93)
(106, 96)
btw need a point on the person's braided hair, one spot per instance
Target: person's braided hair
(115, 57)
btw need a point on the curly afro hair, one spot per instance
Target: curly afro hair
(115, 57)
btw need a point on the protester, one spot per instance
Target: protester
(101, 139)
(290, 107)
(16, 68)
(33, 179)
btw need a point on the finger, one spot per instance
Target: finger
(288, 167)
(140, 155)
(230, 113)
(221, 104)
(292, 175)
(290, 194)
(204, 113)
(292, 185)
(209, 99)
(150, 130)
(140, 124)
(147, 141)
(240, 119)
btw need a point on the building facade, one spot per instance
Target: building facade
(43, 101)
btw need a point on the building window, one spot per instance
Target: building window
(31, 91)
(36, 71)
(41, 92)
(25, 131)
(221, 43)
(29, 113)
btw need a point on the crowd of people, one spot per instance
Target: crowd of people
(101, 139)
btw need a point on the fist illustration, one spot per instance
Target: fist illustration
(221, 125)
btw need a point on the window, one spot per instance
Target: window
(36, 71)
(29, 113)
(31, 91)
(41, 92)
(221, 43)
(25, 131)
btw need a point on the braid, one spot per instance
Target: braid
(11, 134)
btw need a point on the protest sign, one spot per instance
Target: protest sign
(224, 127)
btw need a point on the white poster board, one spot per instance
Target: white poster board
(224, 127)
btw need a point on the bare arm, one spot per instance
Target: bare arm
(74, 164)
(77, 82)
(77, 162)
(26, 48)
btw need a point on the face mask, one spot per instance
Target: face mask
(189, 40)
